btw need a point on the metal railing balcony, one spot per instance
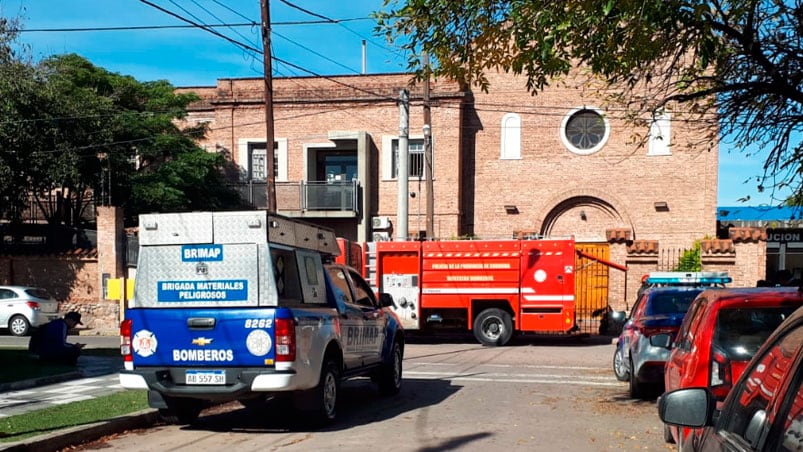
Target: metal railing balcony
(304, 195)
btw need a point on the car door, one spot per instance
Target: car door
(681, 363)
(351, 319)
(750, 419)
(373, 333)
(6, 305)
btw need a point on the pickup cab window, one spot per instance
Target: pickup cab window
(363, 294)
(341, 284)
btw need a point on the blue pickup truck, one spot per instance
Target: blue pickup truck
(246, 306)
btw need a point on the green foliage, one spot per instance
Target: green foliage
(737, 61)
(690, 260)
(70, 127)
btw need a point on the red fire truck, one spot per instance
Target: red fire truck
(491, 287)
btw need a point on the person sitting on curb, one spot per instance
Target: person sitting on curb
(51, 341)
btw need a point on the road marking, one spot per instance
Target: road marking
(515, 378)
(508, 366)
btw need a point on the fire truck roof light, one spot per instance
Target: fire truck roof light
(702, 278)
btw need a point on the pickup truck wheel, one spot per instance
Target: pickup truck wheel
(390, 375)
(325, 394)
(181, 411)
(493, 327)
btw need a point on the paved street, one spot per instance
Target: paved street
(537, 395)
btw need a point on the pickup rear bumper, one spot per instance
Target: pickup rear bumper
(240, 382)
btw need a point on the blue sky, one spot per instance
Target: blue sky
(192, 57)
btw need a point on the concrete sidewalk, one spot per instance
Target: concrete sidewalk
(94, 376)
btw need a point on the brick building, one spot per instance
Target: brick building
(558, 163)
(505, 163)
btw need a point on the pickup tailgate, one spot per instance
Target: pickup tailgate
(196, 337)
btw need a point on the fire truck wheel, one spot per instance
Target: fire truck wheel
(493, 327)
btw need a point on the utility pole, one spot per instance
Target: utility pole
(403, 175)
(268, 68)
(430, 206)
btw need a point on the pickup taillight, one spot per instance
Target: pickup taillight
(285, 331)
(125, 340)
(721, 379)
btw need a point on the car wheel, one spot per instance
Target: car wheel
(668, 434)
(636, 392)
(619, 365)
(493, 327)
(390, 375)
(19, 325)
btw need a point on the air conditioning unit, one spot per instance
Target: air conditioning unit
(381, 236)
(380, 223)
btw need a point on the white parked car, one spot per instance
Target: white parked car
(23, 308)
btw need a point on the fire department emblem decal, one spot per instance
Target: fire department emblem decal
(540, 275)
(144, 343)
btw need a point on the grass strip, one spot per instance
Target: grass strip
(50, 419)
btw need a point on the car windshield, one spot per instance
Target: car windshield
(670, 303)
(739, 332)
(38, 293)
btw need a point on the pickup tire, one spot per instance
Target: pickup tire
(390, 374)
(322, 399)
(493, 327)
(181, 411)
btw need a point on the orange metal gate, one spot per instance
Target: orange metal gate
(591, 285)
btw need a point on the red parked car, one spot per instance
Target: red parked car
(721, 332)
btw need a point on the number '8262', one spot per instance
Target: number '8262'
(258, 323)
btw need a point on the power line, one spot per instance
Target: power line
(167, 27)
(338, 22)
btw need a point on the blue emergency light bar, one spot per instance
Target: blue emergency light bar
(679, 278)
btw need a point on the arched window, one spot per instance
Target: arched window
(511, 137)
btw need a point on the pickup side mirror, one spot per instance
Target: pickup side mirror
(386, 300)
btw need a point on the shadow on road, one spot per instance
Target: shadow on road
(359, 403)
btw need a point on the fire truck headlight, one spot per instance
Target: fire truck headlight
(258, 342)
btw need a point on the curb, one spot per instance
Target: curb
(84, 433)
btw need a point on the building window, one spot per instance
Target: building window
(660, 141)
(511, 137)
(252, 159)
(585, 131)
(415, 162)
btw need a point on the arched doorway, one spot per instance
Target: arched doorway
(587, 218)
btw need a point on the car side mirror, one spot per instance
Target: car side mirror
(661, 340)
(689, 407)
(386, 300)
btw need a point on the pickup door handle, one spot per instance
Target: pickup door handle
(201, 323)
